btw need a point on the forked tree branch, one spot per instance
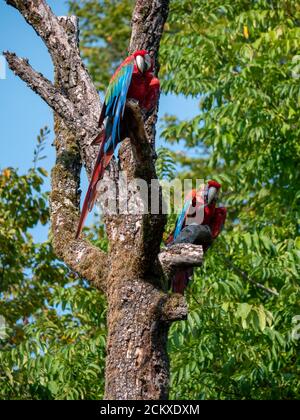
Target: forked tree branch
(139, 310)
(87, 260)
(77, 110)
(62, 43)
(40, 16)
(60, 36)
(46, 90)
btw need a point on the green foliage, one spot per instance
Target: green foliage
(54, 344)
(240, 59)
(165, 164)
(237, 342)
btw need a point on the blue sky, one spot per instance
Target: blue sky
(23, 113)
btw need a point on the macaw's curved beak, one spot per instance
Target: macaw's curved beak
(212, 195)
(140, 62)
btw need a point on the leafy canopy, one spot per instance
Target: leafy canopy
(240, 60)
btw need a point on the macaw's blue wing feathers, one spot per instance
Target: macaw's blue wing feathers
(111, 114)
(182, 217)
(115, 101)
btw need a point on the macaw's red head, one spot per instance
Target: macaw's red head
(212, 192)
(143, 61)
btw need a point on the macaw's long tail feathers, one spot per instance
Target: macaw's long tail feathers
(84, 213)
(91, 195)
(180, 281)
(92, 190)
(102, 115)
(104, 163)
(100, 138)
(90, 198)
(107, 158)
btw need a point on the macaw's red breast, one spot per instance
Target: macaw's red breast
(209, 212)
(144, 88)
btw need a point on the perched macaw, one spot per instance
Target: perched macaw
(133, 79)
(193, 232)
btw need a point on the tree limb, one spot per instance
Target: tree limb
(90, 262)
(180, 256)
(40, 16)
(175, 308)
(60, 35)
(44, 88)
(87, 260)
(246, 277)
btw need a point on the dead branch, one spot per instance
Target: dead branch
(45, 89)
(60, 36)
(180, 256)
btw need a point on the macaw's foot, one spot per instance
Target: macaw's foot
(195, 234)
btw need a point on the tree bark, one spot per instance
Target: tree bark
(134, 274)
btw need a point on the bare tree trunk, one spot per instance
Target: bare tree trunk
(132, 273)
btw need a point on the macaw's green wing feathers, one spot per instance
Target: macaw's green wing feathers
(115, 100)
(112, 113)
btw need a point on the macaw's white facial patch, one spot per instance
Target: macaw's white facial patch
(212, 195)
(140, 62)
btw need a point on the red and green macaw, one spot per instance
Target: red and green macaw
(189, 229)
(133, 79)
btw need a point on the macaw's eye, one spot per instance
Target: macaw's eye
(148, 61)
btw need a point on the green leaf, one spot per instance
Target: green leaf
(43, 171)
(262, 317)
(53, 387)
(243, 310)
